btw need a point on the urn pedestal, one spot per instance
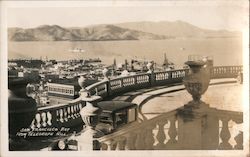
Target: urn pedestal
(197, 127)
(90, 115)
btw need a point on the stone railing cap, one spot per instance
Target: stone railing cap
(91, 98)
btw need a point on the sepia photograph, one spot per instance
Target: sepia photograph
(125, 78)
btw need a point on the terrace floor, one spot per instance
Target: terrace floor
(224, 94)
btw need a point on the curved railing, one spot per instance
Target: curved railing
(59, 115)
(166, 132)
(138, 81)
(68, 114)
(226, 71)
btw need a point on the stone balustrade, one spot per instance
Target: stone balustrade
(164, 133)
(138, 81)
(226, 71)
(225, 134)
(58, 115)
(146, 135)
(68, 114)
(128, 83)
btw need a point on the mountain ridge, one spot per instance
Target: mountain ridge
(144, 30)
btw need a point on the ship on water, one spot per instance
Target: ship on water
(77, 50)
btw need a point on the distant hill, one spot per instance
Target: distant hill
(176, 29)
(122, 31)
(92, 33)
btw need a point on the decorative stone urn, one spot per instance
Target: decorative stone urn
(105, 73)
(197, 80)
(82, 83)
(198, 127)
(90, 115)
(150, 67)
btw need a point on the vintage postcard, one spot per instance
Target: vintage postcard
(125, 78)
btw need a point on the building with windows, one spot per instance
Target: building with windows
(63, 91)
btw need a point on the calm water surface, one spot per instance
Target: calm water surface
(225, 51)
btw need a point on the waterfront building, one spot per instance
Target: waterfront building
(62, 91)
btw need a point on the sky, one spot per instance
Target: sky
(230, 16)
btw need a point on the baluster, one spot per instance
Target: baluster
(184, 74)
(57, 115)
(172, 132)
(75, 111)
(124, 82)
(72, 112)
(149, 139)
(177, 74)
(225, 134)
(69, 116)
(159, 76)
(120, 143)
(78, 111)
(139, 79)
(32, 125)
(103, 146)
(96, 91)
(130, 144)
(104, 88)
(49, 118)
(43, 115)
(121, 83)
(161, 137)
(239, 141)
(234, 70)
(65, 115)
(173, 75)
(61, 115)
(135, 80)
(109, 144)
(80, 106)
(139, 142)
(38, 120)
